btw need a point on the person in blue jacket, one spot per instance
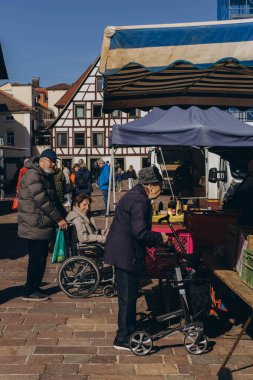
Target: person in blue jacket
(103, 180)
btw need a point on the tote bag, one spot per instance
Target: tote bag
(60, 247)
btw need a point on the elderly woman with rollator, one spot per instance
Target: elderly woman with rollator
(129, 234)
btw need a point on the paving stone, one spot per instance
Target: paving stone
(103, 359)
(62, 368)
(74, 342)
(15, 350)
(12, 341)
(19, 377)
(107, 369)
(41, 342)
(22, 369)
(133, 359)
(155, 369)
(46, 327)
(48, 376)
(58, 350)
(77, 359)
(12, 359)
(205, 359)
(20, 334)
(184, 368)
(54, 334)
(124, 377)
(90, 334)
(45, 359)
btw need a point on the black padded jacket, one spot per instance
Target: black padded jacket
(38, 208)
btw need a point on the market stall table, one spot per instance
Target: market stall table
(232, 280)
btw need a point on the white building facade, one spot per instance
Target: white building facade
(82, 130)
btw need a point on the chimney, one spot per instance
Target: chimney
(36, 81)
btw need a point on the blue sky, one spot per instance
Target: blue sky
(57, 40)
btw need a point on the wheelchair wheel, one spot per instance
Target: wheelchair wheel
(78, 277)
(194, 343)
(140, 343)
(109, 291)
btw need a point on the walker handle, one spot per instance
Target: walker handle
(166, 217)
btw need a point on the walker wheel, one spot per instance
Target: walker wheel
(140, 343)
(193, 347)
(109, 291)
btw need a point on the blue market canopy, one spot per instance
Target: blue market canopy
(203, 64)
(3, 71)
(184, 127)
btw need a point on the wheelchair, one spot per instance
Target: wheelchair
(84, 272)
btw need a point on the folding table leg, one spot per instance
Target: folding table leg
(244, 327)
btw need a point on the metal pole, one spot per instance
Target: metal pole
(166, 171)
(109, 194)
(113, 179)
(1, 174)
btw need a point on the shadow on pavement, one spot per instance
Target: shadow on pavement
(11, 293)
(11, 247)
(18, 291)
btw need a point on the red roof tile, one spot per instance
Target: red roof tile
(59, 86)
(69, 94)
(10, 104)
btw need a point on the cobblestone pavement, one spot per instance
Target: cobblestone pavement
(72, 338)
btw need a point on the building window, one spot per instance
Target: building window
(97, 139)
(79, 139)
(10, 139)
(100, 84)
(97, 110)
(115, 113)
(9, 118)
(79, 111)
(133, 113)
(62, 140)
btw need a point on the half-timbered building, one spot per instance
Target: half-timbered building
(82, 130)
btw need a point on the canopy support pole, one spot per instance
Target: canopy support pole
(113, 177)
(109, 190)
(167, 174)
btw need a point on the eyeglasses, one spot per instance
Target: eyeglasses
(51, 162)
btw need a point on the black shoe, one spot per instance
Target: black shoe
(121, 345)
(43, 291)
(35, 296)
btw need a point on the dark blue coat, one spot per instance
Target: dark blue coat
(131, 231)
(88, 179)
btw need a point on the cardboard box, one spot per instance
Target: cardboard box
(235, 241)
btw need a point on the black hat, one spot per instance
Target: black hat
(149, 175)
(49, 153)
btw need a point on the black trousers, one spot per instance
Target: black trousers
(127, 288)
(38, 252)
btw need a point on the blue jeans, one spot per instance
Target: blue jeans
(105, 197)
(127, 288)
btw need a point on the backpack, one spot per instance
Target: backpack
(81, 180)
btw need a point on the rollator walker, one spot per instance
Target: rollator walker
(195, 342)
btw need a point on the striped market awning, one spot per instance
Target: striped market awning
(3, 71)
(203, 64)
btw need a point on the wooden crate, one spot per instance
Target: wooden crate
(234, 235)
(250, 242)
